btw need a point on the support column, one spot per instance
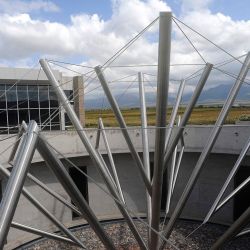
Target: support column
(78, 89)
(165, 22)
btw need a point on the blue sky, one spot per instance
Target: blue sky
(238, 10)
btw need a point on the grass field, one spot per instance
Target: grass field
(200, 116)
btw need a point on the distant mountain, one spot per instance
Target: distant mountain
(213, 95)
(219, 94)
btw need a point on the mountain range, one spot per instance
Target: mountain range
(215, 95)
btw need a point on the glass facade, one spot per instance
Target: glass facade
(28, 102)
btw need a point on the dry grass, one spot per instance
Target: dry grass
(200, 116)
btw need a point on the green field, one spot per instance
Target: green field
(200, 116)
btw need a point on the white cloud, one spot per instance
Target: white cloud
(95, 40)
(19, 6)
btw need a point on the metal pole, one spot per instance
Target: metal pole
(229, 178)
(144, 126)
(41, 233)
(14, 148)
(111, 160)
(231, 195)
(171, 175)
(98, 134)
(92, 152)
(209, 145)
(187, 113)
(123, 127)
(174, 113)
(54, 194)
(178, 166)
(16, 181)
(64, 178)
(233, 230)
(44, 211)
(165, 23)
(244, 232)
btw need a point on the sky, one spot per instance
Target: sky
(90, 32)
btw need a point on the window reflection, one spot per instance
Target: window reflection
(22, 96)
(44, 96)
(11, 97)
(53, 98)
(2, 97)
(29, 102)
(33, 96)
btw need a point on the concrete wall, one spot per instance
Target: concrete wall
(210, 181)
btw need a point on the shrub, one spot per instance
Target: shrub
(244, 118)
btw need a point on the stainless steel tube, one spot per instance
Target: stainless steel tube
(41, 233)
(44, 211)
(233, 230)
(92, 152)
(229, 178)
(187, 113)
(209, 145)
(123, 127)
(16, 181)
(164, 48)
(111, 160)
(144, 133)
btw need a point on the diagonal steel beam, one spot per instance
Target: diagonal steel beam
(16, 181)
(171, 175)
(41, 233)
(63, 176)
(34, 179)
(145, 145)
(208, 147)
(44, 210)
(187, 113)
(233, 230)
(123, 127)
(174, 113)
(229, 178)
(92, 152)
(111, 160)
(54, 194)
(231, 195)
(178, 164)
(15, 147)
(98, 134)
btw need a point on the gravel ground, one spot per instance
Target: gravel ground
(202, 238)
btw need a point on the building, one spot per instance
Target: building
(25, 94)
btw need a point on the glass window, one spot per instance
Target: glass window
(55, 119)
(13, 117)
(33, 96)
(44, 118)
(2, 97)
(34, 115)
(44, 96)
(11, 97)
(23, 115)
(3, 119)
(69, 94)
(22, 96)
(53, 98)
